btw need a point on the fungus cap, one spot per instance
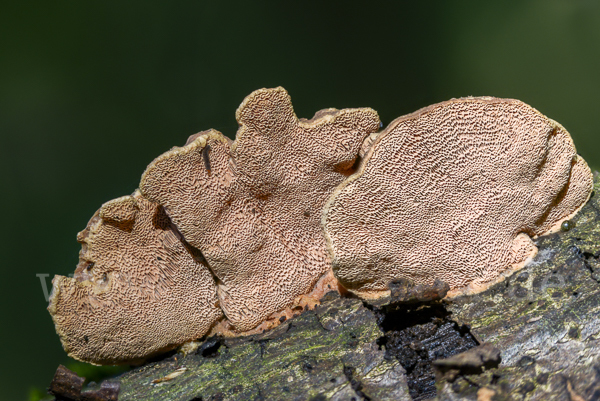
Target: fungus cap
(253, 207)
(454, 192)
(138, 289)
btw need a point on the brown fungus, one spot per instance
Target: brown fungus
(454, 192)
(138, 290)
(255, 214)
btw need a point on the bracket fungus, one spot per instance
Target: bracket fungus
(138, 289)
(456, 192)
(255, 213)
(446, 198)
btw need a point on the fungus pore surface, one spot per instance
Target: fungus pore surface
(138, 289)
(253, 207)
(455, 191)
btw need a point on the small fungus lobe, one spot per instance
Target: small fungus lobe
(138, 290)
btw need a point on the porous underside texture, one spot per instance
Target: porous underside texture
(138, 289)
(253, 207)
(544, 319)
(454, 191)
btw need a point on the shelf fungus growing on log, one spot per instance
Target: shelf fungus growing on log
(229, 237)
(456, 192)
(253, 207)
(138, 289)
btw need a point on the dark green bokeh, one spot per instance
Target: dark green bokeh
(90, 93)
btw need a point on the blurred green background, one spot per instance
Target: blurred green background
(91, 92)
